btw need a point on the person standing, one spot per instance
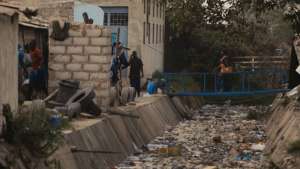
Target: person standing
(37, 76)
(136, 72)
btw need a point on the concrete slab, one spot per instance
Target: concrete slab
(120, 134)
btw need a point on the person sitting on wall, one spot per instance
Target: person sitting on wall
(86, 18)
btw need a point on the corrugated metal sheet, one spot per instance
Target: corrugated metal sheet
(7, 11)
(12, 9)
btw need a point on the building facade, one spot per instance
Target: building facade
(138, 24)
(144, 21)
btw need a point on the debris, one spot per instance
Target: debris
(74, 149)
(258, 147)
(218, 137)
(71, 101)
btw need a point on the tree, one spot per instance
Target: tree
(197, 30)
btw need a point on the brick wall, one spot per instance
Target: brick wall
(84, 56)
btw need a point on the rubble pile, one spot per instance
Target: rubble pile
(217, 137)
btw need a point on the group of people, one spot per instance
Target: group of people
(120, 62)
(32, 77)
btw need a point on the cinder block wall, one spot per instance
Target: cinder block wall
(84, 56)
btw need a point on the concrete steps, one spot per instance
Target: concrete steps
(121, 134)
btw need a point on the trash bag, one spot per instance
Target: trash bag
(58, 33)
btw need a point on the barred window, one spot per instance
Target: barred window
(149, 33)
(153, 5)
(145, 5)
(105, 19)
(153, 33)
(118, 19)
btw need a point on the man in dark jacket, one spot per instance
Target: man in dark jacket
(136, 72)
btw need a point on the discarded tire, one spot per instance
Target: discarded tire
(85, 98)
(67, 88)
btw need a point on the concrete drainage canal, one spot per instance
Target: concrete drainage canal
(185, 133)
(216, 137)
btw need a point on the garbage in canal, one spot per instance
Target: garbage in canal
(218, 137)
(258, 147)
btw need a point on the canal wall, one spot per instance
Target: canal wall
(283, 130)
(122, 135)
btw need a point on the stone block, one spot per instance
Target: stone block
(81, 41)
(63, 75)
(62, 58)
(105, 67)
(74, 50)
(99, 76)
(81, 76)
(57, 49)
(106, 50)
(106, 32)
(86, 84)
(67, 41)
(105, 85)
(92, 50)
(79, 59)
(101, 41)
(102, 93)
(94, 32)
(74, 67)
(99, 59)
(75, 33)
(92, 67)
(57, 67)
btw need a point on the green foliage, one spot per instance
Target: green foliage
(157, 75)
(32, 129)
(197, 31)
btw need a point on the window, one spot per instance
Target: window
(115, 16)
(160, 10)
(156, 33)
(159, 33)
(163, 33)
(157, 8)
(153, 33)
(149, 7)
(105, 19)
(145, 5)
(149, 33)
(144, 33)
(119, 19)
(153, 7)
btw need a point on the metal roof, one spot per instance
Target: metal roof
(7, 11)
(33, 22)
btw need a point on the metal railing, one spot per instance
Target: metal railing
(261, 81)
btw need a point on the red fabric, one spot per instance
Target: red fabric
(36, 56)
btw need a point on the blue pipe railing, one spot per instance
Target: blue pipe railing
(261, 81)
